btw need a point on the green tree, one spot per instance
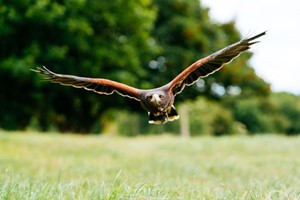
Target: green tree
(186, 33)
(288, 109)
(87, 38)
(142, 43)
(254, 114)
(277, 113)
(209, 118)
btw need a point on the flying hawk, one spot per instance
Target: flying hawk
(158, 102)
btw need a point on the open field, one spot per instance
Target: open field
(53, 166)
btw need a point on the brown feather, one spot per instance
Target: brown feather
(98, 85)
(210, 64)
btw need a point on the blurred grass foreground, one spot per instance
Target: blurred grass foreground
(55, 166)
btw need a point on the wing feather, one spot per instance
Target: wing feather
(210, 64)
(98, 85)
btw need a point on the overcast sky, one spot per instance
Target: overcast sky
(277, 58)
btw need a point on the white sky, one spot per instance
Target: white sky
(277, 57)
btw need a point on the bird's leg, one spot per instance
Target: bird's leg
(172, 113)
(157, 118)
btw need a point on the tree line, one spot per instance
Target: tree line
(143, 43)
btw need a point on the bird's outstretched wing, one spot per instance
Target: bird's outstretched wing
(98, 85)
(210, 64)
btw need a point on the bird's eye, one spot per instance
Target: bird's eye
(149, 97)
(160, 96)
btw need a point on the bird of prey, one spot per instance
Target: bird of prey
(158, 102)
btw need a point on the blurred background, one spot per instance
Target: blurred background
(145, 44)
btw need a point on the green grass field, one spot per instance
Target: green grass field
(53, 166)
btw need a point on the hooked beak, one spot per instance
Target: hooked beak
(156, 99)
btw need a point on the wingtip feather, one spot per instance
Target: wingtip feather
(255, 37)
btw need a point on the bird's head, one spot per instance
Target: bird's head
(156, 100)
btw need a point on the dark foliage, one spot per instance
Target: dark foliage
(138, 42)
